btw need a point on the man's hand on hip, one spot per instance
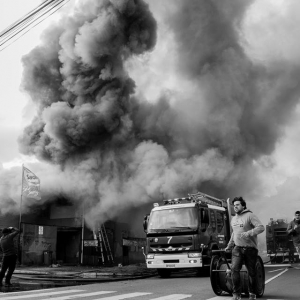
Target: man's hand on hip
(244, 234)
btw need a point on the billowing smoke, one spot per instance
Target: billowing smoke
(138, 102)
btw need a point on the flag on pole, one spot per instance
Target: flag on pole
(30, 185)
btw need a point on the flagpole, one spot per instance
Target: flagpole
(82, 234)
(20, 220)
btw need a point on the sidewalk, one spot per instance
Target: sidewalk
(39, 277)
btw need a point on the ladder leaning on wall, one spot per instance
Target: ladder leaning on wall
(103, 239)
(99, 246)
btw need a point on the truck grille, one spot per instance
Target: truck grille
(172, 249)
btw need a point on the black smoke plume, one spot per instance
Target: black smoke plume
(115, 149)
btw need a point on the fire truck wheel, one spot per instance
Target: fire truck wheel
(164, 273)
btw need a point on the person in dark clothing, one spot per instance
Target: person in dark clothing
(293, 229)
(9, 254)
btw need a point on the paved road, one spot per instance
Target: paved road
(281, 283)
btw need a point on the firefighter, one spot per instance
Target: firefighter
(243, 243)
(293, 229)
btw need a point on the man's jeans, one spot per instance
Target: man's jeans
(8, 262)
(248, 256)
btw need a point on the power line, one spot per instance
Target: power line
(29, 21)
(26, 22)
(28, 15)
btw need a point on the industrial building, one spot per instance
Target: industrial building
(55, 233)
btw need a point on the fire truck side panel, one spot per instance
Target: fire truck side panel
(218, 226)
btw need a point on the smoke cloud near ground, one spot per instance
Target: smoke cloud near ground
(141, 101)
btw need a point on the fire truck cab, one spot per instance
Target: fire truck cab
(181, 233)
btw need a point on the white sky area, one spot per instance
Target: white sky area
(279, 30)
(17, 110)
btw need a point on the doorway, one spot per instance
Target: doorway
(68, 245)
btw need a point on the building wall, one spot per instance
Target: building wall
(121, 253)
(135, 237)
(38, 244)
(135, 249)
(96, 253)
(125, 249)
(62, 235)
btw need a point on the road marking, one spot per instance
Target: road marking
(276, 276)
(226, 298)
(124, 296)
(39, 295)
(219, 298)
(29, 291)
(277, 265)
(80, 295)
(173, 297)
(275, 270)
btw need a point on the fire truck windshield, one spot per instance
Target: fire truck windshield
(174, 218)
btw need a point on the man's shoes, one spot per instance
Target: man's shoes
(252, 296)
(236, 297)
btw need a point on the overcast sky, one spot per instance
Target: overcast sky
(17, 110)
(232, 102)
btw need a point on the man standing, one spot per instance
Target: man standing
(9, 254)
(294, 230)
(243, 243)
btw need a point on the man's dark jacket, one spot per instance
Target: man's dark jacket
(295, 233)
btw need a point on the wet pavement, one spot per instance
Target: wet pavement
(41, 277)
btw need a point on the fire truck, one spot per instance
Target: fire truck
(280, 247)
(181, 233)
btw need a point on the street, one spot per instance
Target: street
(281, 283)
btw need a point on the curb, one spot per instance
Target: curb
(24, 283)
(88, 280)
